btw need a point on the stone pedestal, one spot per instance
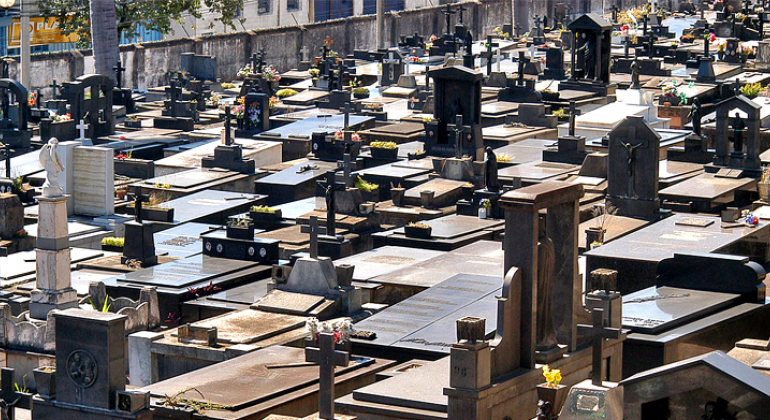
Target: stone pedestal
(53, 289)
(139, 244)
(458, 169)
(589, 401)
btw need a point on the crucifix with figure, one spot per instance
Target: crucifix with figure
(631, 160)
(228, 130)
(598, 332)
(10, 398)
(490, 45)
(459, 131)
(460, 10)
(330, 188)
(573, 113)
(138, 200)
(327, 357)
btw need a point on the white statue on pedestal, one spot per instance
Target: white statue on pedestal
(51, 161)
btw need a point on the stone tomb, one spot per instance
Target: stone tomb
(281, 382)
(175, 279)
(447, 233)
(93, 181)
(210, 206)
(262, 152)
(195, 181)
(295, 182)
(709, 192)
(636, 255)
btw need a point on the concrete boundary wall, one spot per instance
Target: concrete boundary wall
(147, 63)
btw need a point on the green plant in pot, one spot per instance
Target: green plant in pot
(360, 92)
(240, 228)
(369, 191)
(113, 243)
(265, 213)
(384, 149)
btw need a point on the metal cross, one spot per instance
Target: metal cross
(314, 237)
(461, 8)
(573, 112)
(707, 41)
(346, 178)
(346, 119)
(82, 127)
(448, 13)
(55, 89)
(330, 188)
(598, 332)
(7, 148)
(490, 45)
(119, 69)
(327, 358)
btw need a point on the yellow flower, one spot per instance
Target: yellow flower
(557, 377)
(548, 377)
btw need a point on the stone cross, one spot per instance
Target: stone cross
(82, 127)
(55, 88)
(651, 45)
(7, 148)
(119, 70)
(228, 130)
(138, 200)
(347, 179)
(598, 331)
(327, 358)
(644, 30)
(9, 396)
(706, 41)
(346, 114)
(174, 95)
(38, 96)
(459, 130)
(461, 9)
(314, 237)
(331, 187)
(572, 114)
(448, 15)
(522, 59)
(490, 45)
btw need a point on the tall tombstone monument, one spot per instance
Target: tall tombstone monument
(457, 92)
(592, 36)
(737, 139)
(546, 261)
(634, 149)
(15, 109)
(53, 289)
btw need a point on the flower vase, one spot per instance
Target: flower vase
(594, 234)
(482, 213)
(764, 191)
(556, 396)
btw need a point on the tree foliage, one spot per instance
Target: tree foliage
(159, 15)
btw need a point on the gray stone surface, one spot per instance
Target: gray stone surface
(185, 272)
(452, 226)
(386, 259)
(11, 215)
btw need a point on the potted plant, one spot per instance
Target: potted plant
(265, 213)
(384, 150)
(485, 207)
(132, 122)
(603, 215)
(113, 244)
(45, 380)
(752, 90)
(418, 230)
(121, 193)
(240, 228)
(551, 391)
(369, 192)
(417, 154)
(360, 93)
(397, 195)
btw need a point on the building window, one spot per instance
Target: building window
(263, 6)
(292, 5)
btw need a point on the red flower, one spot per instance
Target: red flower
(712, 37)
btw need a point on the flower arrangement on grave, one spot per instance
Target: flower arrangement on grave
(263, 209)
(272, 102)
(121, 156)
(711, 37)
(213, 100)
(418, 230)
(752, 90)
(721, 46)
(271, 74)
(32, 98)
(485, 204)
(747, 51)
(361, 92)
(383, 145)
(20, 234)
(314, 73)
(285, 93)
(559, 113)
(245, 71)
(362, 185)
(687, 38)
(17, 186)
(228, 85)
(114, 241)
(341, 329)
(552, 376)
(196, 292)
(162, 186)
(500, 34)
(418, 225)
(65, 117)
(750, 219)
(504, 157)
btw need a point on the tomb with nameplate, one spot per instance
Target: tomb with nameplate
(14, 106)
(120, 94)
(177, 114)
(253, 116)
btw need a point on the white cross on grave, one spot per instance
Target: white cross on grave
(82, 127)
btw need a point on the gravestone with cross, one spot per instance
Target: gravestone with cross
(457, 91)
(199, 92)
(327, 357)
(37, 111)
(449, 41)
(633, 170)
(571, 148)
(523, 90)
(253, 115)
(554, 64)
(729, 154)
(490, 46)
(139, 243)
(89, 98)
(392, 69)
(82, 127)
(177, 114)
(538, 37)
(595, 395)
(201, 67)
(15, 109)
(229, 155)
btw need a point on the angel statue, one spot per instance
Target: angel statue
(51, 161)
